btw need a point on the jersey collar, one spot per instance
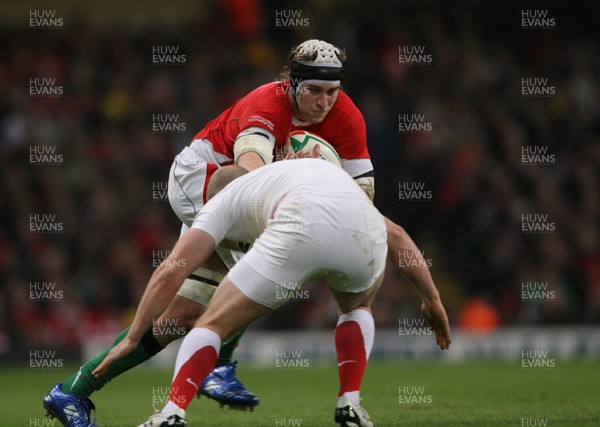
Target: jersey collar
(298, 122)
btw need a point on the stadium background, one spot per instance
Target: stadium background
(105, 190)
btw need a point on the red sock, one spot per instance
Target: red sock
(353, 342)
(195, 360)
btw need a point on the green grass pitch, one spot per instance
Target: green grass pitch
(468, 394)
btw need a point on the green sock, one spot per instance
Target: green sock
(227, 348)
(84, 383)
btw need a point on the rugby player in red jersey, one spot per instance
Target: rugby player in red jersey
(247, 134)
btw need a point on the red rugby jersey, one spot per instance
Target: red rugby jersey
(268, 107)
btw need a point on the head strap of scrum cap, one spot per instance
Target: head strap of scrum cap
(300, 72)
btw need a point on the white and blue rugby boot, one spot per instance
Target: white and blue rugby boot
(72, 410)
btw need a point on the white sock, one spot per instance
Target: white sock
(170, 407)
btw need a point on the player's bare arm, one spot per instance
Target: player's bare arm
(417, 273)
(419, 276)
(434, 313)
(189, 252)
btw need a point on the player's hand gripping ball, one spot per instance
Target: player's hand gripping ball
(306, 141)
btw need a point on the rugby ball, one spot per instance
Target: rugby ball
(305, 141)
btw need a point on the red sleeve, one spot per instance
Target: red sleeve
(267, 108)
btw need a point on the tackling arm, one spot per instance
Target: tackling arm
(188, 254)
(420, 277)
(417, 273)
(190, 251)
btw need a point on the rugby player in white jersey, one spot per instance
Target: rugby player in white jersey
(305, 219)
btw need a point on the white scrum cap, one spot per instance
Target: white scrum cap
(324, 54)
(315, 60)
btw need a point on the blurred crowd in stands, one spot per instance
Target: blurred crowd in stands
(104, 189)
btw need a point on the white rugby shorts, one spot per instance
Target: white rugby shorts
(186, 191)
(188, 179)
(338, 236)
